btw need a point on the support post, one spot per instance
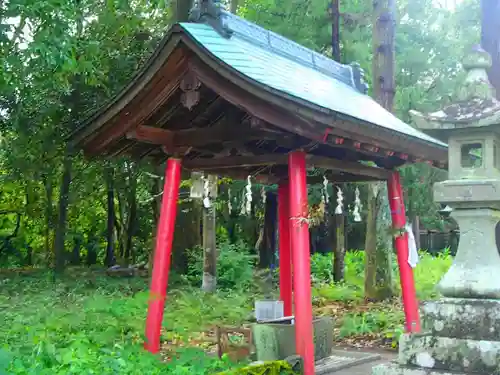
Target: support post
(162, 255)
(398, 214)
(299, 236)
(285, 252)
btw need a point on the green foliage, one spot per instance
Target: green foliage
(266, 368)
(322, 268)
(201, 311)
(370, 322)
(94, 325)
(378, 319)
(234, 266)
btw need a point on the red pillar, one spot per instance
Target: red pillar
(397, 205)
(284, 247)
(299, 236)
(162, 255)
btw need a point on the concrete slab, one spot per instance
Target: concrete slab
(345, 359)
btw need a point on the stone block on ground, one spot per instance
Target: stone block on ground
(396, 369)
(444, 353)
(473, 319)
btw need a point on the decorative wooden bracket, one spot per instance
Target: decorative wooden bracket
(190, 86)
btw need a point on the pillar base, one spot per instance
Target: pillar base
(474, 273)
(460, 338)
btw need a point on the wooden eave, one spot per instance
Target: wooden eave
(282, 122)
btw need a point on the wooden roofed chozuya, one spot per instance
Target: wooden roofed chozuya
(227, 97)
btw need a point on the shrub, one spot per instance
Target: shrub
(234, 266)
(322, 268)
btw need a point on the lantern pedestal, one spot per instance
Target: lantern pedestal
(461, 337)
(474, 273)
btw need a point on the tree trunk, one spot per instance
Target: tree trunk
(267, 245)
(121, 227)
(131, 217)
(92, 244)
(110, 229)
(59, 251)
(47, 182)
(384, 276)
(415, 226)
(156, 193)
(180, 10)
(490, 38)
(371, 242)
(335, 13)
(74, 102)
(383, 52)
(75, 253)
(339, 222)
(339, 252)
(234, 6)
(209, 283)
(378, 245)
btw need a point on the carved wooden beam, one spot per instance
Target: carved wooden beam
(237, 162)
(152, 135)
(268, 179)
(196, 137)
(347, 166)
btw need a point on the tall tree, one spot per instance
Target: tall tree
(335, 224)
(75, 105)
(378, 246)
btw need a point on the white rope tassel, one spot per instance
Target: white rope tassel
(412, 247)
(206, 193)
(243, 210)
(340, 205)
(248, 195)
(263, 195)
(229, 204)
(357, 206)
(325, 190)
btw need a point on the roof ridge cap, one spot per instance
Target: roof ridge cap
(351, 75)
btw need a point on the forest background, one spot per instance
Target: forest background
(61, 60)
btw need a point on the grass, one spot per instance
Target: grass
(89, 324)
(94, 326)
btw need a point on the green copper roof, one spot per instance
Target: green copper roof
(276, 62)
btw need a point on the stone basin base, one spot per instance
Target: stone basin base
(276, 340)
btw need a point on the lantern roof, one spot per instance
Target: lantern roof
(476, 105)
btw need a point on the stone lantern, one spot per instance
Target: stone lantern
(461, 332)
